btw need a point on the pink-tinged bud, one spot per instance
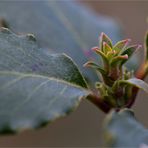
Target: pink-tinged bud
(88, 64)
(125, 56)
(101, 35)
(104, 43)
(127, 41)
(95, 48)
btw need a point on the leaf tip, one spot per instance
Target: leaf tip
(86, 64)
(125, 56)
(95, 48)
(101, 35)
(126, 41)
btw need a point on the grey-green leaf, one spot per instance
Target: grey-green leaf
(36, 87)
(63, 26)
(123, 130)
(136, 82)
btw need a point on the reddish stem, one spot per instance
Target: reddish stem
(133, 98)
(96, 100)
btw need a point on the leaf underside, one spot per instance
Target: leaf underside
(123, 130)
(35, 87)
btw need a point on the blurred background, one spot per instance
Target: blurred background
(83, 128)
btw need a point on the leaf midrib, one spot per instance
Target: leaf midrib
(40, 76)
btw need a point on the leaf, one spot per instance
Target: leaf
(63, 26)
(106, 48)
(123, 130)
(105, 39)
(136, 82)
(119, 46)
(103, 56)
(95, 66)
(129, 51)
(118, 60)
(35, 87)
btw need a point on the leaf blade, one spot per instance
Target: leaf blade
(123, 130)
(42, 108)
(30, 79)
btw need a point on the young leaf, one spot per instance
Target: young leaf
(129, 51)
(123, 130)
(103, 56)
(111, 54)
(95, 66)
(136, 82)
(35, 87)
(104, 38)
(119, 46)
(106, 48)
(119, 59)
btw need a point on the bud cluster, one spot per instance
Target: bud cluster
(112, 92)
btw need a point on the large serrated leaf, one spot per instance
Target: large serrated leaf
(35, 87)
(123, 130)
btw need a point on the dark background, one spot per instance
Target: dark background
(84, 126)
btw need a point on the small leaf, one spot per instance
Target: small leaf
(103, 56)
(123, 130)
(106, 48)
(129, 51)
(136, 82)
(104, 38)
(95, 66)
(36, 87)
(119, 46)
(118, 60)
